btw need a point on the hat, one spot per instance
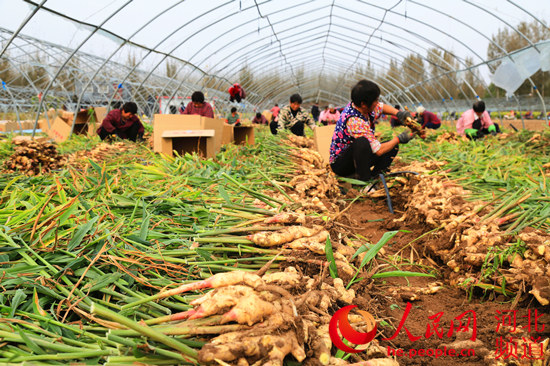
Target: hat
(420, 110)
(331, 106)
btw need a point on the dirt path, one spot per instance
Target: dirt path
(434, 304)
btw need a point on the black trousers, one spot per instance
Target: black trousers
(131, 134)
(273, 127)
(235, 98)
(298, 129)
(359, 159)
(481, 132)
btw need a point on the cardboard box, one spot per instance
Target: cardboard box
(227, 136)
(217, 126)
(66, 115)
(100, 113)
(207, 146)
(243, 135)
(43, 125)
(60, 130)
(190, 141)
(322, 137)
(12, 126)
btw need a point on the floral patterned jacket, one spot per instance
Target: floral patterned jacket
(351, 125)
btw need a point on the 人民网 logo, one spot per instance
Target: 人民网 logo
(340, 322)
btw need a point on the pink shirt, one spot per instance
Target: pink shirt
(467, 119)
(332, 118)
(275, 111)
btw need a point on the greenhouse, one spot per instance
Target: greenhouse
(260, 182)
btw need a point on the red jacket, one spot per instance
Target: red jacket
(113, 121)
(430, 117)
(237, 90)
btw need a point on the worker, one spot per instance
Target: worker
(427, 119)
(123, 123)
(236, 93)
(329, 116)
(315, 111)
(233, 118)
(199, 106)
(294, 118)
(476, 122)
(259, 119)
(274, 123)
(355, 150)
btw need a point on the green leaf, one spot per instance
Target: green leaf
(32, 346)
(17, 300)
(144, 227)
(68, 212)
(105, 280)
(401, 274)
(204, 254)
(94, 165)
(361, 249)
(80, 233)
(331, 261)
(73, 265)
(373, 251)
(223, 194)
(353, 181)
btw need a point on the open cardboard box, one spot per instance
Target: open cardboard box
(85, 123)
(243, 135)
(186, 141)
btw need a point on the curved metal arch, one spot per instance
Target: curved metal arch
(183, 78)
(487, 38)
(435, 44)
(458, 59)
(343, 39)
(45, 93)
(22, 25)
(371, 56)
(190, 58)
(166, 55)
(382, 87)
(24, 74)
(152, 19)
(424, 38)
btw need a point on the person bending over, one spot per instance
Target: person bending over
(199, 106)
(427, 119)
(294, 118)
(123, 123)
(476, 123)
(233, 118)
(355, 150)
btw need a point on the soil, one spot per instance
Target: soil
(387, 299)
